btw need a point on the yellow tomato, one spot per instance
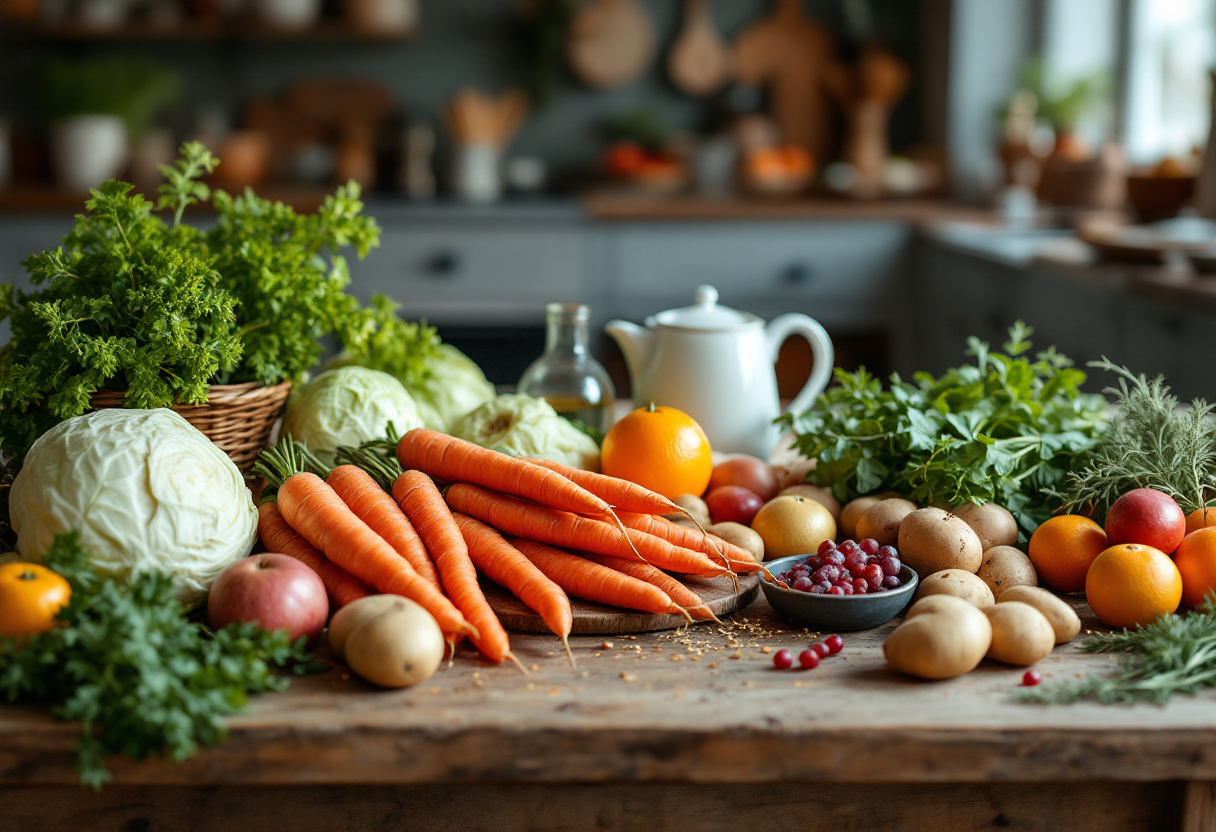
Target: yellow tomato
(30, 595)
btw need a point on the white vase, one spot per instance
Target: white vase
(289, 15)
(475, 172)
(88, 150)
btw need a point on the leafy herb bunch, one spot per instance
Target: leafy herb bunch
(161, 309)
(1004, 429)
(139, 676)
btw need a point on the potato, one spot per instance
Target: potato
(687, 523)
(942, 637)
(400, 648)
(819, 495)
(992, 524)
(931, 540)
(741, 536)
(1004, 567)
(1062, 618)
(851, 513)
(1021, 635)
(694, 505)
(881, 521)
(958, 583)
(355, 613)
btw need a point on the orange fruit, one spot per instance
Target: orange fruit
(1200, 518)
(793, 525)
(661, 448)
(1063, 548)
(1131, 585)
(1195, 558)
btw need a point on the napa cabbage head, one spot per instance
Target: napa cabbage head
(347, 406)
(146, 491)
(520, 425)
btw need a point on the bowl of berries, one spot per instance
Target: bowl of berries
(847, 586)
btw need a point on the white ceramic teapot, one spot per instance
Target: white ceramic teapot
(716, 364)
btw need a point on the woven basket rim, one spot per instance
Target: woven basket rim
(216, 393)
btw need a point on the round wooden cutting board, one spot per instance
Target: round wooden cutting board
(597, 619)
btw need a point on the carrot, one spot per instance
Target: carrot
(315, 510)
(562, 528)
(675, 590)
(594, 582)
(454, 460)
(341, 586)
(507, 566)
(378, 510)
(739, 558)
(424, 506)
(622, 495)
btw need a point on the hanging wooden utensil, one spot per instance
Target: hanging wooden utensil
(612, 42)
(699, 61)
(790, 54)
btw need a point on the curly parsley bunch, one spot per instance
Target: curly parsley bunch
(162, 310)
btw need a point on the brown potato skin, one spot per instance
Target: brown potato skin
(958, 583)
(881, 521)
(941, 638)
(931, 540)
(1005, 567)
(992, 523)
(741, 536)
(851, 513)
(1062, 617)
(1021, 635)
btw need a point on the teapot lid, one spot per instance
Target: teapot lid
(706, 314)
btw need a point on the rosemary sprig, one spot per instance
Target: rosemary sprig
(1153, 444)
(1174, 654)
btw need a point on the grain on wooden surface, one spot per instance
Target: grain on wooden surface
(631, 712)
(494, 807)
(1199, 807)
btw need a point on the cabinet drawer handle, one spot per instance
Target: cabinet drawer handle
(798, 274)
(442, 265)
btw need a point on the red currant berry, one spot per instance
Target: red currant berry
(869, 545)
(836, 590)
(834, 643)
(808, 659)
(782, 659)
(860, 586)
(820, 649)
(825, 547)
(1031, 678)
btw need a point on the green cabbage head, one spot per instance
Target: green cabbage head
(347, 406)
(520, 425)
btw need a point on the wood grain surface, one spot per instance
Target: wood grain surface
(719, 594)
(701, 705)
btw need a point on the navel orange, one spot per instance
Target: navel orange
(1195, 558)
(1063, 548)
(1201, 518)
(661, 448)
(1131, 585)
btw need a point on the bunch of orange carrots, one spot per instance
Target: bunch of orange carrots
(380, 523)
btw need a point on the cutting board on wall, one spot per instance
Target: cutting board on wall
(699, 61)
(612, 42)
(790, 55)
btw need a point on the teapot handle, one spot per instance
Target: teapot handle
(783, 327)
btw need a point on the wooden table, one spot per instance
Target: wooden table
(683, 731)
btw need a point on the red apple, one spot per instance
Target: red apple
(756, 475)
(275, 591)
(1148, 517)
(733, 504)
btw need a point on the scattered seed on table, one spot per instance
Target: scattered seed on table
(628, 677)
(713, 665)
(675, 658)
(534, 667)
(766, 649)
(607, 645)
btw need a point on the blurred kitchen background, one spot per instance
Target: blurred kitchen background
(907, 172)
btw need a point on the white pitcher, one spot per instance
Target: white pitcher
(716, 364)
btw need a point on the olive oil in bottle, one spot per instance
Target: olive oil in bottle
(566, 375)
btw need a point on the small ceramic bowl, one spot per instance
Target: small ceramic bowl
(837, 612)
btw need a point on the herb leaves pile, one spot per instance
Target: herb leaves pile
(161, 310)
(1152, 444)
(1174, 654)
(140, 677)
(1006, 429)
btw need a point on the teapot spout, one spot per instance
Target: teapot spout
(635, 342)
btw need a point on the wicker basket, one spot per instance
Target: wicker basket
(237, 417)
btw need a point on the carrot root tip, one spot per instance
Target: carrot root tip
(569, 653)
(517, 663)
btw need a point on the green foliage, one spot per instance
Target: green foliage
(130, 89)
(405, 350)
(139, 677)
(161, 311)
(541, 33)
(1174, 654)
(1004, 429)
(1062, 103)
(642, 125)
(1152, 444)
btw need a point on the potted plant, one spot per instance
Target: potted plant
(1062, 103)
(95, 109)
